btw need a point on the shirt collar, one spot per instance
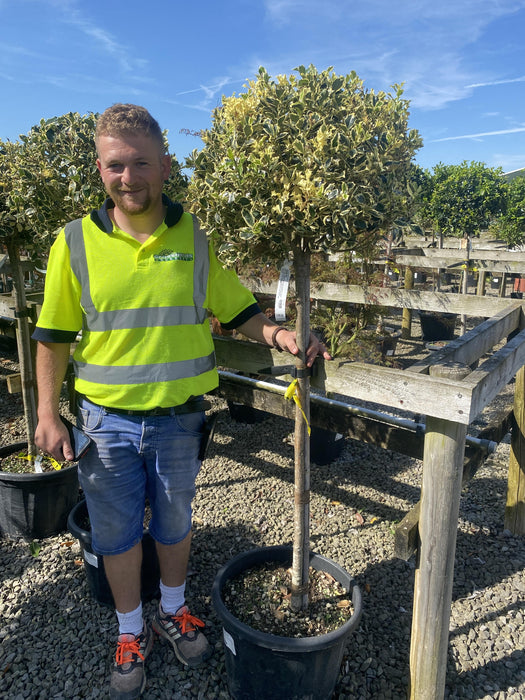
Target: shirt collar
(102, 219)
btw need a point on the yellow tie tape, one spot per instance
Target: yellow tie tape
(292, 393)
(54, 463)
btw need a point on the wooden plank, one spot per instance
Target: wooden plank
(381, 385)
(476, 254)
(469, 304)
(476, 342)
(406, 536)
(489, 378)
(456, 264)
(34, 302)
(14, 383)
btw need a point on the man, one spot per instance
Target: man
(138, 277)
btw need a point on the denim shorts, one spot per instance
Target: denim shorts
(134, 458)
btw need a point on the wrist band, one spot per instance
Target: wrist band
(274, 338)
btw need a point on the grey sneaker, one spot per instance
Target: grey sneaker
(181, 630)
(128, 678)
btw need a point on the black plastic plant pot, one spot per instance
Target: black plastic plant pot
(261, 665)
(246, 414)
(325, 445)
(78, 526)
(35, 505)
(437, 325)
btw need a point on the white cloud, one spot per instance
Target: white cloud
(480, 135)
(431, 40)
(508, 162)
(72, 13)
(521, 79)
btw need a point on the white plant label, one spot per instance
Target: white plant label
(228, 642)
(282, 292)
(91, 558)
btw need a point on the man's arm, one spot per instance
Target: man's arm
(260, 328)
(51, 435)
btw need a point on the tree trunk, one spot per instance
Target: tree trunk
(23, 340)
(301, 544)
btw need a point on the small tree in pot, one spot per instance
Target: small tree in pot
(47, 178)
(299, 164)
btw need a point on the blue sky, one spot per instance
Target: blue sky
(462, 62)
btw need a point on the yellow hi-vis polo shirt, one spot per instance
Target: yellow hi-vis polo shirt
(142, 309)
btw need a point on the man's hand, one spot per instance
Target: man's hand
(261, 329)
(51, 436)
(286, 340)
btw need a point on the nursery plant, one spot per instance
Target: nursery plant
(48, 177)
(297, 164)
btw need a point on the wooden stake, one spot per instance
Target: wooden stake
(301, 544)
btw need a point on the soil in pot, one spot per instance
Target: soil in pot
(261, 596)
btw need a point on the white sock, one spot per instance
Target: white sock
(131, 622)
(171, 598)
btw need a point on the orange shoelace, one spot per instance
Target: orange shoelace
(125, 651)
(188, 622)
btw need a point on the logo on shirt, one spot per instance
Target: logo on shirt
(167, 255)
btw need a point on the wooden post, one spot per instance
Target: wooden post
(482, 279)
(503, 285)
(440, 495)
(406, 322)
(515, 507)
(465, 243)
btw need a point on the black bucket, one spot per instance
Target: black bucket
(261, 665)
(94, 563)
(36, 505)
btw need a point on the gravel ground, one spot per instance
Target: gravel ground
(57, 642)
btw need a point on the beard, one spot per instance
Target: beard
(132, 203)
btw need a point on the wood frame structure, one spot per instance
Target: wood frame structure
(459, 394)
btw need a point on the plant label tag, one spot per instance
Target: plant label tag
(91, 559)
(282, 292)
(228, 641)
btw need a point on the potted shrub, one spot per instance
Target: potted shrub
(310, 162)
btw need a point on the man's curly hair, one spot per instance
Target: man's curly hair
(124, 119)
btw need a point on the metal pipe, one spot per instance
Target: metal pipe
(488, 446)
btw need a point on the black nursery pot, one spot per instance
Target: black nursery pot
(437, 326)
(94, 563)
(261, 665)
(245, 414)
(35, 505)
(325, 445)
